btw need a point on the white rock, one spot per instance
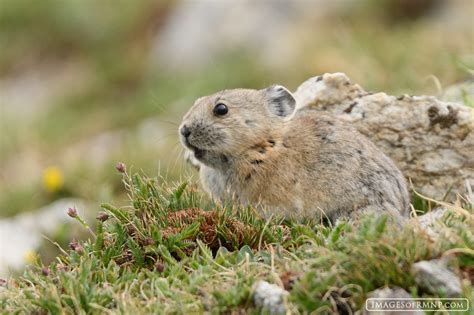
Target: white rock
(270, 297)
(428, 219)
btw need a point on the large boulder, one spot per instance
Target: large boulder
(431, 141)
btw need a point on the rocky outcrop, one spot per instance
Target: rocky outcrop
(431, 141)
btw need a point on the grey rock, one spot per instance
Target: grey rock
(431, 222)
(435, 277)
(431, 141)
(389, 293)
(270, 297)
(430, 218)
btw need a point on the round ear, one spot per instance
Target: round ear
(280, 101)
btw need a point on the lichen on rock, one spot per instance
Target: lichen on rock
(431, 141)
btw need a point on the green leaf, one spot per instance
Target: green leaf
(243, 252)
(99, 241)
(119, 214)
(137, 252)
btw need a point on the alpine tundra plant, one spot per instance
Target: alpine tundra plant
(171, 250)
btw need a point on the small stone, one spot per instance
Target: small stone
(428, 219)
(434, 277)
(270, 297)
(388, 293)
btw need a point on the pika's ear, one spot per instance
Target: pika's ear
(280, 101)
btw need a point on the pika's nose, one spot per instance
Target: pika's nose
(185, 131)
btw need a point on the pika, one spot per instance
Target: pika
(253, 147)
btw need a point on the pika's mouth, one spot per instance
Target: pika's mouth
(198, 153)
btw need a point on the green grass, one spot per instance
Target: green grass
(171, 250)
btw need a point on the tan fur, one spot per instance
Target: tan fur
(307, 164)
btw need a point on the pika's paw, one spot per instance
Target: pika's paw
(191, 159)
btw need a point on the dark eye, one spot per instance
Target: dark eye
(220, 109)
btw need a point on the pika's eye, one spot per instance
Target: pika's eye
(220, 109)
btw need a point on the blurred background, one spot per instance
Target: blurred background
(86, 84)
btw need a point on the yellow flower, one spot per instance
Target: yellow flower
(30, 256)
(53, 179)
